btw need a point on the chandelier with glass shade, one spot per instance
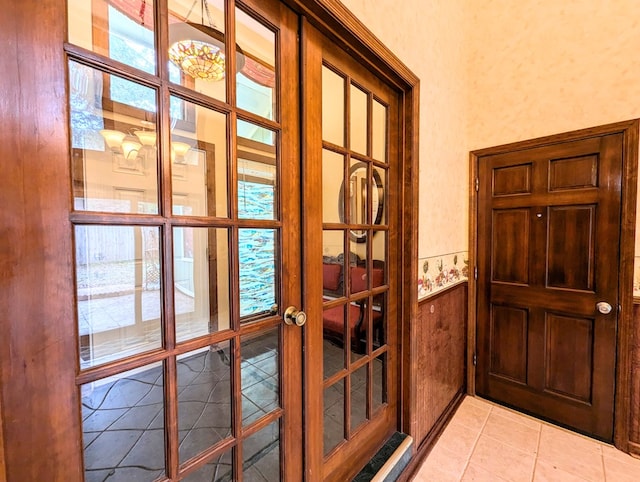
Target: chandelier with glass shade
(198, 49)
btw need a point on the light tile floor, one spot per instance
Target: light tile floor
(487, 442)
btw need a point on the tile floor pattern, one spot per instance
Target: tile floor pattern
(487, 442)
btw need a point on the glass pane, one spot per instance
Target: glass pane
(379, 320)
(378, 196)
(379, 257)
(358, 113)
(333, 342)
(358, 327)
(379, 381)
(357, 200)
(257, 172)
(261, 454)
(379, 132)
(123, 426)
(201, 281)
(358, 397)
(198, 160)
(257, 250)
(123, 31)
(113, 169)
(259, 373)
(333, 263)
(204, 398)
(256, 79)
(333, 400)
(118, 290)
(219, 469)
(332, 187)
(197, 46)
(332, 107)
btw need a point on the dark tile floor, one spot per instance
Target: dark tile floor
(123, 416)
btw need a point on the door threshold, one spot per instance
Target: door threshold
(389, 462)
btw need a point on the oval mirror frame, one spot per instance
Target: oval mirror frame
(360, 236)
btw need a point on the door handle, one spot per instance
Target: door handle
(293, 315)
(603, 307)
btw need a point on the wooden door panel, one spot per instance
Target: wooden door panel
(548, 237)
(570, 250)
(512, 180)
(569, 356)
(509, 339)
(573, 173)
(510, 237)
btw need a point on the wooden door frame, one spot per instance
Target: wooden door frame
(37, 280)
(630, 131)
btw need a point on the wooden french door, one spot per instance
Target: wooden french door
(351, 258)
(186, 249)
(548, 257)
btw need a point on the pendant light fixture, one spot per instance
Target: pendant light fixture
(199, 49)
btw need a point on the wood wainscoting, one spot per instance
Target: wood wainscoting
(634, 416)
(440, 365)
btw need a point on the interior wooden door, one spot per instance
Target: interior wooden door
(548, 257)
(185, 212)
(351, 259)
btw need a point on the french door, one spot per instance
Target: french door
(351, 259)
(185, 168)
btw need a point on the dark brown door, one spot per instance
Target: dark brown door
(351, 260)
(548, 257)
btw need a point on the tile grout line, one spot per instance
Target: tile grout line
(604, 468)
(475, 443)
(535, 459)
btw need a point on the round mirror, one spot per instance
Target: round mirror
(358, 188)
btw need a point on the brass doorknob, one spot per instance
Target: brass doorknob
(293, 315)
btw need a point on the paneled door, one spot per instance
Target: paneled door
(548, 257)
(351, 259)
(184, 128)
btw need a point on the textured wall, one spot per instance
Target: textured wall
(539, 67)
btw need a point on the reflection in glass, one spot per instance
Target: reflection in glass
(333, 263)
(219, 469)
(334, 338)
(199, 161)
(332, 175)
(359, 323)
(256, 80)
(333, 403)
(212, 17)
(257, 248)
(259, 374)
(358, 117)
(261, 455)
(379, 381)
(114, 170)
(378, 196)
(124, 33)
(204, 398)
(257, 173)
(123, 426)
(333, 88)
(379, 132)
(118, 291)
(358, 397)
(201, 281)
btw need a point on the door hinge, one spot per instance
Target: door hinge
(475, 273)
(477, 184)
(475, 359)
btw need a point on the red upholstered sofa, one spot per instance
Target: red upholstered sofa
(334, 318)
